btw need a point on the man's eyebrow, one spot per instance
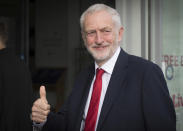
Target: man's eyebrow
(88, 30)
(106, 27)
(103, 28)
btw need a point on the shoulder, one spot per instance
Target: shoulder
(144, 71)
(134, 63)
(140, 67)
(141, 63)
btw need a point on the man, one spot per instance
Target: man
(128, 93)
(15, 89)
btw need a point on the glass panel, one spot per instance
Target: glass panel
(172, 53)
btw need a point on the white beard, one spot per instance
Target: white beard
(104, 55)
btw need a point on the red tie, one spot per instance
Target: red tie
(91, 118)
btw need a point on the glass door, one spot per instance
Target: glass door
(172, 53)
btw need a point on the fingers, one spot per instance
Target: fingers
(40, 104)
(40, 111)
(36, 117)
(40, 108)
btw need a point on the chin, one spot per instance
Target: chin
(102, 55)
(100, 58)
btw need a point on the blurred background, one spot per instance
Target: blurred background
(46, 35)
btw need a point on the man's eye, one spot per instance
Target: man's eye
(90, 33)
(107, 31)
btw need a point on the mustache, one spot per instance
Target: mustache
(96, 45)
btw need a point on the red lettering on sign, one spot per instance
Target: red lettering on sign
(173, 60)
(166, 59)
(177, 100)
(176, 61)
(181, 61)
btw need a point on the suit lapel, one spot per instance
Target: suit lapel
(85, 91)
(115, 84)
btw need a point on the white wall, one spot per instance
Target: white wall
(130, 12)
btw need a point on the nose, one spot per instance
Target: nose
(99, 38)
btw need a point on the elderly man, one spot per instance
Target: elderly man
(118, 92)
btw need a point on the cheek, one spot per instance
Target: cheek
(109, 39)
(89, 41)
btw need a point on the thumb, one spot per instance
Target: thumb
(42, 93)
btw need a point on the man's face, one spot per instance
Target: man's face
(100, 36)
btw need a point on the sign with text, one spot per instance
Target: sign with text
(173, 53)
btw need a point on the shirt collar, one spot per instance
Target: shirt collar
(109, 65)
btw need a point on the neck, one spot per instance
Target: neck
(100, 63)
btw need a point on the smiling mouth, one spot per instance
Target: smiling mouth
(100, 47)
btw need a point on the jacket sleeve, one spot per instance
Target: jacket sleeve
(158, 107)
(56, 121)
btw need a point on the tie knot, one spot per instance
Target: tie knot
(100, 72)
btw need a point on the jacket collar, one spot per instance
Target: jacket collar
(115, 85)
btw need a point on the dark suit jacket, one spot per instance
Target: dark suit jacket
(137, 99)
(15, 93)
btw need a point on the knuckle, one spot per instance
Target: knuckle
(48, 107)
(35, 102)
(33, 114)
(46, 113)
(44, 118)
(33, 108)
(44, 106)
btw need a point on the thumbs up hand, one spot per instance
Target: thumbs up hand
(40, 108)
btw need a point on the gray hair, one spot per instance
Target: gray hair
(100, 7)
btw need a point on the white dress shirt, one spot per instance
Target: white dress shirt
(108, 68)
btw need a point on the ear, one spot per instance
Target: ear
(83, 36)
(120, 34)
